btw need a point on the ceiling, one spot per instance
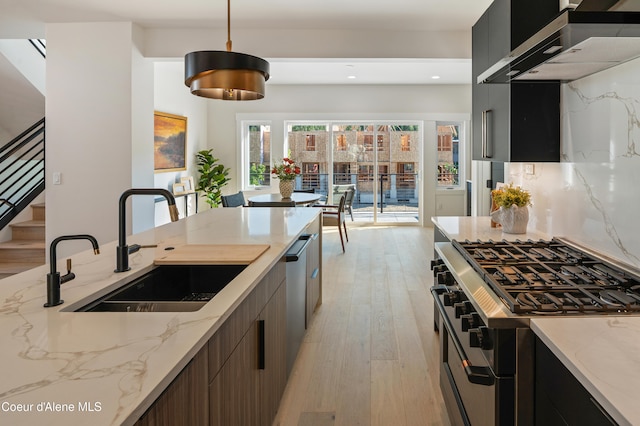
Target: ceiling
(379, 15)
(436, 15)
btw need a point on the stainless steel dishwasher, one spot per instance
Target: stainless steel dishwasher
(296, 258)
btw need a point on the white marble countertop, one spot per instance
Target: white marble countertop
(603, 353)
(479, 228)
(117, 364)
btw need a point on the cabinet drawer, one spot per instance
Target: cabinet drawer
(236, 326)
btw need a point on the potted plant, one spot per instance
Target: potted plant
(513, 211)
(213, 177)
(286, 172)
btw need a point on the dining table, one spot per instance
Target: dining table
(300, 198)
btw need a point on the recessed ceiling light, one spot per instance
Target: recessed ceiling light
(435, 77)
(351, 77)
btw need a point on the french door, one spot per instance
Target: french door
(380, 160)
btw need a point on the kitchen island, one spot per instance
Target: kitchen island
(599, 351)
(107, 368)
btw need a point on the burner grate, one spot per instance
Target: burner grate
(549, 277)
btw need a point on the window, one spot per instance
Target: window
(341, 142)
(380, 142)
(405, 143)
(342, 173)
(368, 142)
(448, 154)
(310, 175)
(365, 173)
(310, 143)
(383, 172)
(257, 154)
(406, 175)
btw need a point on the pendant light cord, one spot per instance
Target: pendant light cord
(228, 25)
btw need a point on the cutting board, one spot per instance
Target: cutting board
(211, 254)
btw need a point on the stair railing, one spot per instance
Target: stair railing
(21, 171)
(40, 45)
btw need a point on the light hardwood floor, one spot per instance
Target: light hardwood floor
(370, 355)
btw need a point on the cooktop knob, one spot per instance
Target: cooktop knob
(463, 308)
(479, 338)
(471, 320)
(445, 278)
(438, 269)
(436, 262)
(451, 298)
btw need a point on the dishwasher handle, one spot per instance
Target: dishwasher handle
(296, 250)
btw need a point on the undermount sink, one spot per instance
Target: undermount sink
(168, 288)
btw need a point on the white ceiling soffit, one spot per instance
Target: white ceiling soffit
(420, 15)
(370, 71)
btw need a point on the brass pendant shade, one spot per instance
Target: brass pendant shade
(224, 75)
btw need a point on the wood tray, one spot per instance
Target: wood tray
(211, 254)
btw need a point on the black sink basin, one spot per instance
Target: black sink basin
(168, 289)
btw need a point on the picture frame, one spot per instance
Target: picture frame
(179, 189)
(169, 142)
(188, 184)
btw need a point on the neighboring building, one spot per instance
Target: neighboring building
(354, 152)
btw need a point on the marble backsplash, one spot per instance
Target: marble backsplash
(593, 195)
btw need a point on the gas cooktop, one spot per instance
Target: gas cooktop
(552, 277)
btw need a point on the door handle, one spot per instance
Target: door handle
(261, 343)
(485, 134)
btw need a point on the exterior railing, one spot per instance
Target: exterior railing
(392, 188)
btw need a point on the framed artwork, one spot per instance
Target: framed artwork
(179, 189)
(187, 181)
(169, 142)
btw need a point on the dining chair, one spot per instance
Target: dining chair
(272, 203)
(233, 200)
(333, 215)
(348, 201)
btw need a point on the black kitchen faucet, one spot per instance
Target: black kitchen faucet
(53, 278)
(123, 251)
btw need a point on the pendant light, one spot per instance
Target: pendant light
(226, 75)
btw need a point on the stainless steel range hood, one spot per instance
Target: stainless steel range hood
(576, 44)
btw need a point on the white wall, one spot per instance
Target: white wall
(172, 96)
(341, 102)
(27, 61)
(91, 111)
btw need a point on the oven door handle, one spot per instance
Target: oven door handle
(478, 375)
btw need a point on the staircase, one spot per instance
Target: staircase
(26, 249)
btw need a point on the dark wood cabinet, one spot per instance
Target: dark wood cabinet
(185, 401)
(246, 387)
(560, 399)
(233, 393)
(517, 121)
(273, 368)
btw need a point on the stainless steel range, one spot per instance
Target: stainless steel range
(486, 292)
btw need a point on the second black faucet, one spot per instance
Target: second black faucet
(122, 251)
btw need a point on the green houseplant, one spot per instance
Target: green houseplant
(213, 177)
